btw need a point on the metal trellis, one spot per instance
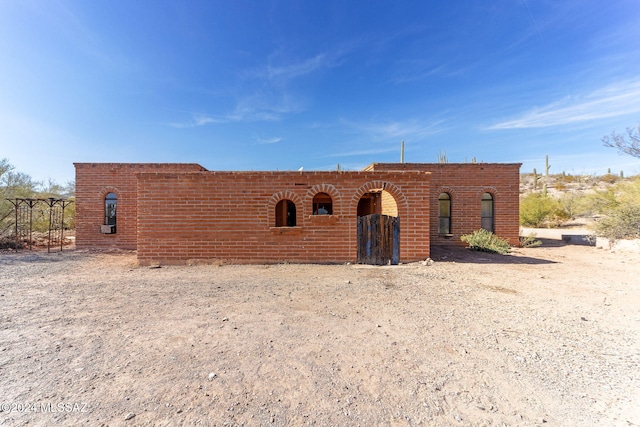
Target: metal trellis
(24, 220)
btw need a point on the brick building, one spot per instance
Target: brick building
(175, 213)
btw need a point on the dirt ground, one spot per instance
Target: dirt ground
(543, 336)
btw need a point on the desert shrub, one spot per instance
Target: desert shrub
(589, 180)
(486, 241)
(609, 178)
(629, 192)
(607, 200)
(19, 185)
(621, 223)
(601, 201)
(532, 212)
(560, 186)
(529, 241)
(620, 206)
(40, 217)
(70, 215)
(537, 210)
(574, 204)
(12, 184)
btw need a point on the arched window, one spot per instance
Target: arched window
(110, 202)
(444, 213)
(322, 204)
(487, 211)
(285, 213)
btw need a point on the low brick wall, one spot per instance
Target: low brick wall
(174, 213)
(231, 216)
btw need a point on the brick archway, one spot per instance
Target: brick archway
(398, 196)
(106, 190)
(378, 222)
(284, 195)
(329, 189)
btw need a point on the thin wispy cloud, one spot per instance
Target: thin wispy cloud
(273, 140)
(622, 39)
(386, 136)
(82, 36)
(411, 128)
(270, 102)
(611, 101)
(304, 67)
(380, 42)
(419, 73)
(534, 22)
(361, 152)
(196, 120)
(281, 69)
(264, 106)
(255, 108)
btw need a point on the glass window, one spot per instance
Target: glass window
(444, 214)
(110, 202)
(487, 211)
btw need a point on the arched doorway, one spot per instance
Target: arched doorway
(378, 229)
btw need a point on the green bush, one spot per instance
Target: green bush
(537, 210)
(630, 191)
(601, 201)
(621, 207)
(573, 204)
(621, 223)
(486, 241)
(19, 185)
(529, 241)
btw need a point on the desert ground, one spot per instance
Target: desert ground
(542, 336)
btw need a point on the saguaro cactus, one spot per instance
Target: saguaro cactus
(546, 167)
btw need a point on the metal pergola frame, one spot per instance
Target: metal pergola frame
(29, 204)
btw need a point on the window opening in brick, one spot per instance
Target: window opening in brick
(377, 201)
(322, 204)
(110, 202)
(285, 213)
(444, 213)
(368, 204)
(487, 211)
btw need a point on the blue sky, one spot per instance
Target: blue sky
(265, 85)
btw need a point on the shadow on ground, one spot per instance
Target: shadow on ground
(464, 255)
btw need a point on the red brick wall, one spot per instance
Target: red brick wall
(231, 215)
(466, 182)
(93, 182)
(177, 212)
